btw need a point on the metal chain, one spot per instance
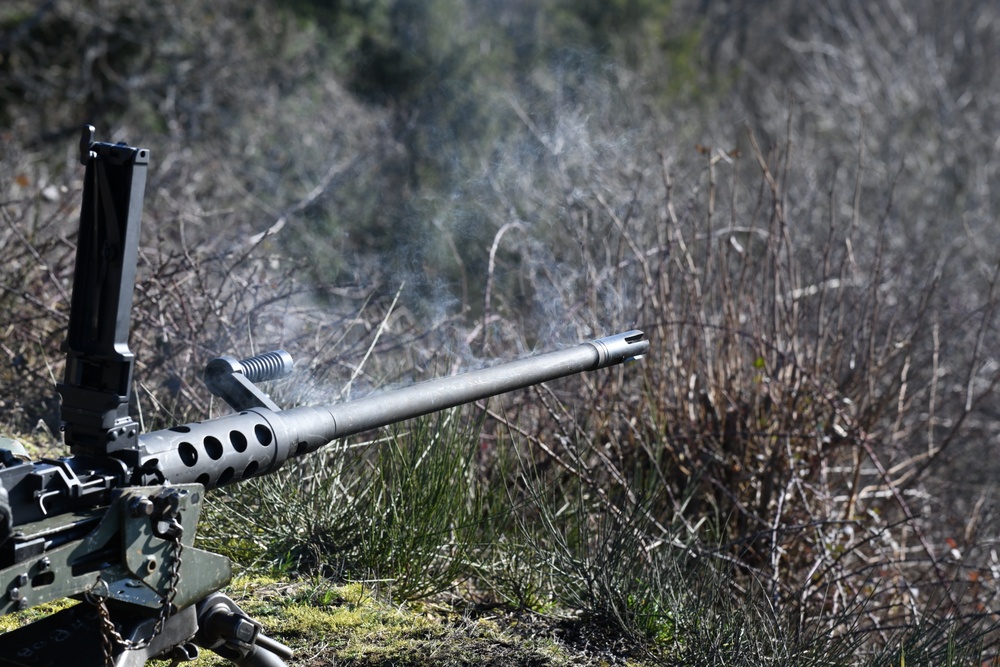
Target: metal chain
(107, 627)
(110, 634)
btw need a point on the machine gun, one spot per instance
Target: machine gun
(113, 524)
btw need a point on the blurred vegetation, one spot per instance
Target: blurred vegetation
(795, 201)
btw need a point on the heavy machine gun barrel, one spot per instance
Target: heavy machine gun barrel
(258, 440)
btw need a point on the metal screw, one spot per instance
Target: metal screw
(14, 593)
(21, 580)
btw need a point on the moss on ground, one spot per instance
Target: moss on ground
(350, 625)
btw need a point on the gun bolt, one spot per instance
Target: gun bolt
(141, 506)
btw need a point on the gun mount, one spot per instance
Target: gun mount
(113, 524)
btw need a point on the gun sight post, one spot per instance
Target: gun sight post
(98, 381)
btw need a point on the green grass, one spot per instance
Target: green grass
(352, 624)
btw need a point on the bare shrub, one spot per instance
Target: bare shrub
(797, 414)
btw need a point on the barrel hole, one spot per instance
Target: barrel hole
(203, 479)
(239, 441)
(213, 447)
(226, 477)
(43, 579)
(250, 470)
(263, 434)
(181, 429)
(188, 454)
(301, 448)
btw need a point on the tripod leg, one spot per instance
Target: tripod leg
(226, 629)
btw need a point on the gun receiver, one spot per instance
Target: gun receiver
(114, 524)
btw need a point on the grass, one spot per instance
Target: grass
(352, 624)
